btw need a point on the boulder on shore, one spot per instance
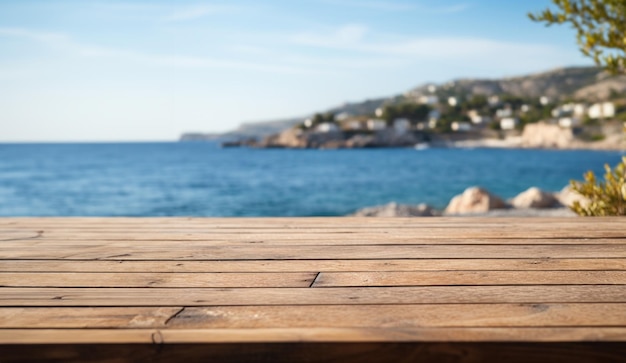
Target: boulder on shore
(474, 200)
(397, 210)
(535, 198)
(567, 196)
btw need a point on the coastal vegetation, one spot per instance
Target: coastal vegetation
(606, 198)
(601, 34)
(600, 28)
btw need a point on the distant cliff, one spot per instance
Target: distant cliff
(584, 83)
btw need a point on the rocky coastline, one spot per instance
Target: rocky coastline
(540, 135)
(479, 202)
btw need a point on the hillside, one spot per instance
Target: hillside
(556, 84)
(583, 83)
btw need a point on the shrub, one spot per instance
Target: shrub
(606, 198)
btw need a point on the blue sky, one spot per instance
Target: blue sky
(150, 70)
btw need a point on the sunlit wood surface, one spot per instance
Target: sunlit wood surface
(312, 290)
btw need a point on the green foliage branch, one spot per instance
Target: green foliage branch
(600, 26)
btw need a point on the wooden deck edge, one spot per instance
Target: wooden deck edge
(296, 335)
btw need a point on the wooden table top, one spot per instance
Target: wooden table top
(312, 289)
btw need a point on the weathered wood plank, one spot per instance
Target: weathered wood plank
(294, 235)
(325, 279)
(169, 337)
(311, 296)
(138, 239)
(387, 316)
(529, 264)
(545, 264)
(318, 316)
(289, 222)
(86, 317)
(168, 282)
(423, 278)
(121, 280)
(262, 252)
(403, 316)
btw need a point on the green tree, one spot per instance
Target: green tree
(412, 111)
(600, 26)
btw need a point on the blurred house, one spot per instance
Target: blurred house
(353, 125)
(569, 122)
(327, 127)
(429, 100)
(493, 101)
(601, 110)
(504, 112)
(477, 118)
(376, 124)
(509, 123)
(342, 116)
(460, 126)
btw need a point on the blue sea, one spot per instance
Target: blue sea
(202, 179)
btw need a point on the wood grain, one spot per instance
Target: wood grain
(480, 264)
(209, 252)
(12, 296)
(150, 280)
(312, 289)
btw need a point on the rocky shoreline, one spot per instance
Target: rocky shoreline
(478, 202)
(540, 135)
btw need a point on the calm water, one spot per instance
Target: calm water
(200, 179)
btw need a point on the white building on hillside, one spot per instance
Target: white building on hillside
(353, 125)
(460, 126)
(569, 122)
(342, 116)
(493, 100)
(429, 100)
(504, 112)
(327, 127)
(477, 118)
(453, 101)
(602, 110)
(376, 124)
(508, 123)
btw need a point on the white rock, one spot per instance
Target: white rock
(534, 198)
(474, 200)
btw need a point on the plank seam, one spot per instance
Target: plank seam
(315, 279)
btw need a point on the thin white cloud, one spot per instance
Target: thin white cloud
(190, 13)
(189, 62)
(344, 36)
(187, 13)
(40, 36)
(65, 42)
(395, 6)
(421, 50)
(374, 5)
(450, 9)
